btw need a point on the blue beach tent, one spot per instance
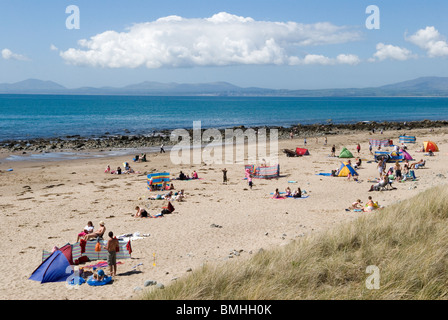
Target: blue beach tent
(55, 268)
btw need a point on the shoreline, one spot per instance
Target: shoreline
(115, 143)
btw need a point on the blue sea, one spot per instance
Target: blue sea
(48, 116)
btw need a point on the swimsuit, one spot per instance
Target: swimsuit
(112, 258)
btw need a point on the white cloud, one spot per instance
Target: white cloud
(348, 59)
(430, 40)
(388, 51)
(9, 55)
(319, 59)
(53, 47)
(223, 39)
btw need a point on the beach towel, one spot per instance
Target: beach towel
(302, 197)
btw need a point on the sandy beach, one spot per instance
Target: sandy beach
(47, 203)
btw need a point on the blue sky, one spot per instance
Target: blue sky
(286, 44)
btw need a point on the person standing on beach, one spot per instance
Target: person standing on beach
(325, 141)
(249, 179)
(304, 141)
(224, 176)
(111, 247)
(333, 151)
(291, 135)
(162, 150)
(358, 147)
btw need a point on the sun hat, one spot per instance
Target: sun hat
(102, 223)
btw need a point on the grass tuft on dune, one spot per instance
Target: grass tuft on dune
(407, 242)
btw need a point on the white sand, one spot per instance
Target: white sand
(63, 195)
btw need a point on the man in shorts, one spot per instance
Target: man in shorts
(111, 248)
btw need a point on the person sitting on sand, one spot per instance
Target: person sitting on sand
(194, 175)
(164, 185)
(406, 167)
(180, 196)
(136, 158)
(87, 229)
(276, 194)
(129, 169)
(288, 192)
(118, 171)
(370, 205)
(96, 234)
(357, 163)
(143, 157)
(141, 212)
(357, 204)
(297, 193)
(98, 276)
(182, 176)
(107, 169)
(151, 184)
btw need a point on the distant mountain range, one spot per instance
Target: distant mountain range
(424, 86)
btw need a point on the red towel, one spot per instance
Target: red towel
(82, 244)
(118, 246)
(128, 246)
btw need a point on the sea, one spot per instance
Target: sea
(24, 117)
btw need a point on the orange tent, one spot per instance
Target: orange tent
(429, 145)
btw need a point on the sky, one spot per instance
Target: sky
(282, 44)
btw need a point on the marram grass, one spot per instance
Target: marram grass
(406, 242)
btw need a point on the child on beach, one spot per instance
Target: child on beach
(333, 151)
(276, 194)
(249, 179)
(370, 205)
(356, 204)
